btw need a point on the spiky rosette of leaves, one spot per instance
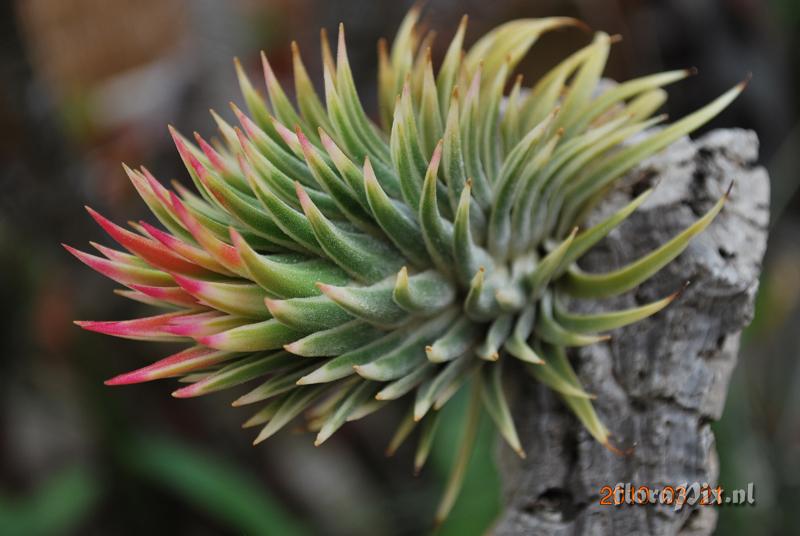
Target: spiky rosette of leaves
(339, 266)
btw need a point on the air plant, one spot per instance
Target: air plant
(338, 265)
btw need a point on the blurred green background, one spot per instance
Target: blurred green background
(85, 84)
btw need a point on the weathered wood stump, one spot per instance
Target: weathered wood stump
(661, 382)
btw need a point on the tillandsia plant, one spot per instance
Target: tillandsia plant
(342, 266)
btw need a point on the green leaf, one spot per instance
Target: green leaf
(509, 122)
(549, 330)
(292, 222)
(429, 118)
(347, 169)
(373, 304)
(249, 212)
(584, 83)
(342, 365)
(448, 71)
(237, 373)
(544, 96)
(423, 293)
(436, 231)
(581, 406)
(352, 103)
(468, 257)
(626, 90)
(583, 285)
(516, 345)
(507, 185)
(591, 150)
(346, 132)
(471, 142)
(365, 409)
(335, 187)
(359, 395)
(156, 198)
(457, 340)
(335, 341)
(540, 278)
(213, 485)
(588, 238)
(297, 401)
(281, 104)
(410, 354)
(287, 277)
(426, 436)
(308, 314)
(398, 388)
(404, 429)
(276, 384)
(268, 177)
(494, 400)
(396, 220)
(466, 446)
(266, 413)
(308, 101)
(490, 111)
(495, 337)
(242, 299)
(605, 321)
(646, 104)
(266, 335)
(434, 387)
(407, 157)
(453, 167)
(271, 148)
(621, 161)
(556, 372)
(386, 85)
(480, 501)
(481, 302)
(255, 102)
(509, 42)
(363, 257)
(403, 46)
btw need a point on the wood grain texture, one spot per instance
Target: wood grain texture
(659, 383)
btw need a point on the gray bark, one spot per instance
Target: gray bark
(659, 383)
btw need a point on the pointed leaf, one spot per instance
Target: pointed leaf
(426, 436)
(342, 365)
(361, 394)
(497, 334)
(581, 284)
(457, 340)
(423, 293)
(497, 407)
(267, 335)
(363, 257)
(398, 388)
(308, 314)
(410, 354)
(241, 299)
(191, 359)
(605, 321)
(297, 401)
(547, 329)
(335, 341)
(396, 220)
(294, 279)
(373, 304)
(236, 373)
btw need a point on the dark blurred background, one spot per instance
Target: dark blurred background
(86, 84)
